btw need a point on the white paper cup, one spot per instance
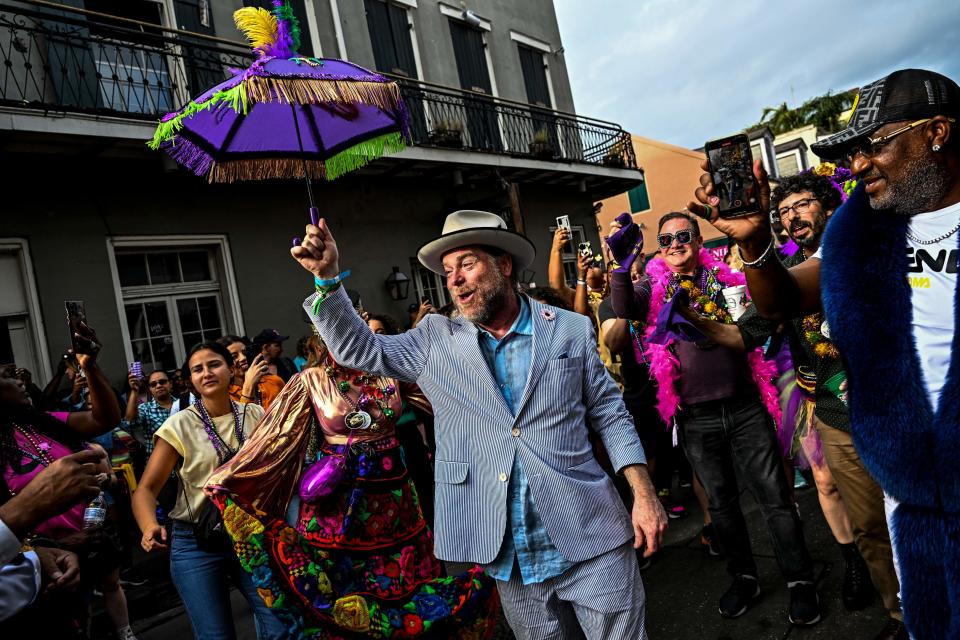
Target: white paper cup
(736, 298)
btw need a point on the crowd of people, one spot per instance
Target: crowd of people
(536, 435)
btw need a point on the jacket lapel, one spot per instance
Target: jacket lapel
(542, 337)
(468, 344)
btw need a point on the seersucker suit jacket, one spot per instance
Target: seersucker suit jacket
(568, 393)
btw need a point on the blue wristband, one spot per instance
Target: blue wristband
(332, 281)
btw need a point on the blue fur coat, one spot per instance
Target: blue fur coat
(910, 447)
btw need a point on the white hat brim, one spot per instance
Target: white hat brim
(522, 250)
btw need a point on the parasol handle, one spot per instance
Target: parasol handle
(303, 160)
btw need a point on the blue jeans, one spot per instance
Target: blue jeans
(727, 436)
(203, 580)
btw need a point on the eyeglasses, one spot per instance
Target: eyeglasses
(157, 383)
(872, 146)
(798, 207)
(665, 240)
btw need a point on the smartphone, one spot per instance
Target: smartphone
(76, 314)
(252, 351)
(563, 222)
(584, 249)
(136, 368)
(731, 167)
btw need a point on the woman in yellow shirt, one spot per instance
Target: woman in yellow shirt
(196, 441)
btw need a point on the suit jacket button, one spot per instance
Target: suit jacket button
(503, 477)
(515, 432)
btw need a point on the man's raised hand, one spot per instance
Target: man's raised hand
(317, 252)
(752, 231)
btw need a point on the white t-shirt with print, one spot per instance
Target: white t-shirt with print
(933, 281)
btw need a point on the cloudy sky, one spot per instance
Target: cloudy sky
(685, 71)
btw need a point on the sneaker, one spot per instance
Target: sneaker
(857, 588)
(804, 604)
(893, 630)
(738, 598)
(674, 509)
(708, 539)
(126, 634)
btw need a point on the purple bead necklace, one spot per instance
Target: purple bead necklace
(223, 451)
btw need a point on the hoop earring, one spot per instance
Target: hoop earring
(936, 148)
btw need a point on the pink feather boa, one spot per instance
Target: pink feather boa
(664, 366)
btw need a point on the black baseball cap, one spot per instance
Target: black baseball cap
(908, 94)
(267, 336)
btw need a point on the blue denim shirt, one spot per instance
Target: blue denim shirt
(526, 539)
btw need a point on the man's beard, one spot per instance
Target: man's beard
(491, 295)
(922, 187)
(816, 226)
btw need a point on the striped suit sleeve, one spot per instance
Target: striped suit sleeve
(608, 414)
(353, 344)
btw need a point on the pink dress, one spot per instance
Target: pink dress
(71, 520)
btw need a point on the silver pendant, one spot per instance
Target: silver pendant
(357, 420)
(825, 330)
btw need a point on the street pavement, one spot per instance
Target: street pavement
(683, 585)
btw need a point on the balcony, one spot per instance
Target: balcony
(69, 62)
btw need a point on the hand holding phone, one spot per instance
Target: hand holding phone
(259, 367)
(584, 249)
(751, 231)
(82, 337)
(731, 171)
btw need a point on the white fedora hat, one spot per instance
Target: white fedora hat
(467, 228)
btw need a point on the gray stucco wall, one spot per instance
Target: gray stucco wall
(377, 223)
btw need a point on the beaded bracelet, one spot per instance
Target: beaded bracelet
(332, 281)
(762, 260)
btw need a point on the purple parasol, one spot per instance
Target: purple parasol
(285, 116)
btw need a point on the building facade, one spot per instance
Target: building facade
(163, 260)
(670, 175)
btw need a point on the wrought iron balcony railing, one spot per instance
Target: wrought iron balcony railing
(67, 61)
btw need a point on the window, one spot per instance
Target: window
(390, 34)
(788, 164)
(639, 200)
(429, 284)
(21, 326)
(569, 253)
(757, 152)
(173, 297)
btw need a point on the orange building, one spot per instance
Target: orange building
(671, 174)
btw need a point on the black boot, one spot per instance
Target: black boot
(857, 588)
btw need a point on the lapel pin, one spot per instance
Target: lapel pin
(547, 314)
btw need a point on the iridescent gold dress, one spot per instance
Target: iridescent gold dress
(360, 561)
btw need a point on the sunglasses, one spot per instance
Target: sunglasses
(157, 383)
(870, 147)
(665, 240)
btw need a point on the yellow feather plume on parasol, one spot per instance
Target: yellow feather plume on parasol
(258, 25)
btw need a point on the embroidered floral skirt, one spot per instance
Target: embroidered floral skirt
(360, 562)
